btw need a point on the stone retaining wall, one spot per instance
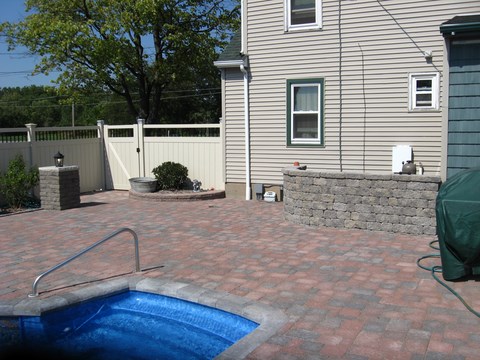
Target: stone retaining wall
(393, 203)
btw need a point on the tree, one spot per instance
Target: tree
(137, 49)
(30, 104)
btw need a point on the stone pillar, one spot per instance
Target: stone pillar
(59, 187)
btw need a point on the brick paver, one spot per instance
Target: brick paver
(347, 294)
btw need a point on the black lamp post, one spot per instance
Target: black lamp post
(58, 159)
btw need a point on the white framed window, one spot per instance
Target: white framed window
(423, 91)
(305, 112)
(303, 14)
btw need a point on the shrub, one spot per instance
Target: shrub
(170, 175)
(17, 182)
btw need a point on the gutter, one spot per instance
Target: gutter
(228, 64)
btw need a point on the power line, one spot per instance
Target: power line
(18, 53)
(32, 106)
(15, 72)
(197, 92)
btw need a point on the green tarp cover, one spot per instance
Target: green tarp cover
(458, 224)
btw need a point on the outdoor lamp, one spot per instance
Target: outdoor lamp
(58, 159)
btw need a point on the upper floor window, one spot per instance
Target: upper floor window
(303, 14)
(305, 112)
(424, 91)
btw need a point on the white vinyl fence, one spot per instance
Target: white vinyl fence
(108, 155)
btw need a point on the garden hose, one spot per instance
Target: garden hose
(438, 269)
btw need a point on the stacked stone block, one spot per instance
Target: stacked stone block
(393, 203)
(59, 187)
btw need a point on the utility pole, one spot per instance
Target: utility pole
(73, 114)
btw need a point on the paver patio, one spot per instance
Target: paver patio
(347, 294)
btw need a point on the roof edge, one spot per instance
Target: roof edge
(462, 24)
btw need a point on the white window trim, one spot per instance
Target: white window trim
(412, 78)
(316, 25)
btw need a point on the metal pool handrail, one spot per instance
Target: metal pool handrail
(108, 237)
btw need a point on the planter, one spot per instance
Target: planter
(143, 184)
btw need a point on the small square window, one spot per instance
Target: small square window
(424, 91)
(305, 112)
(303, 14)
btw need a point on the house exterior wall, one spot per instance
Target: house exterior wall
(364, 52)
(235, 130)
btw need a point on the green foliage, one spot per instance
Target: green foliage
(138, 50)
(170, 175)
(17, 182)
(44, 106)
(20, 106)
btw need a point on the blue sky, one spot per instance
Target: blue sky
(16, 67)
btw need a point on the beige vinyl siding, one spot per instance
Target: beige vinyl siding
(234, 126)
(382, 42)
(276, 56)
(389, 43)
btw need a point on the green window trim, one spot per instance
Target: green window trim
(305, 112)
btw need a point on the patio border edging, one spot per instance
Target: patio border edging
(177, 196)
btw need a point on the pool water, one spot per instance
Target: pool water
(136, 325)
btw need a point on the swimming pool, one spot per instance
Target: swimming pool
(216, 308)
(136, 325)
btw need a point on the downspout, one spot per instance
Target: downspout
(244, 70)
(243, 22)
(246, 98)
(340, 120)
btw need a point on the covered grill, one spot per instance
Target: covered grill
(458, 224)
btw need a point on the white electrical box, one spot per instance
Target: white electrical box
(269, 196)
(400, 154)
